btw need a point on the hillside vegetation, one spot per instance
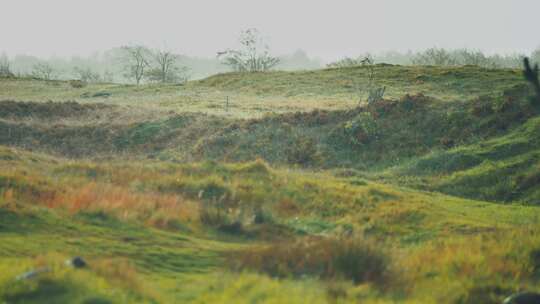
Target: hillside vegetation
(255, 94)
(295, 191)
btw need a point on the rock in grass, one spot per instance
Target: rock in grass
(523, 298)
(97, 94)
(31, 274)
(77, 262)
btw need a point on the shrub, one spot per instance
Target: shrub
(354, 259)
(376, 94)
(212, 216)
(76, 84)
(303, 151)
(361, 129)
(411, 102)
(120, 271)
(346, 62)
(482, 106)
(209, 189)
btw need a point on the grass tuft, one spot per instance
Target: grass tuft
(330, 258)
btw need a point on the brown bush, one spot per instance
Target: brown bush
(354, 259)
(287, 207)
(414, 102)
(77, 84)
(382, 107)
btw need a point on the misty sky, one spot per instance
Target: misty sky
(325, 29)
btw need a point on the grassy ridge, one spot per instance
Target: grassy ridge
(445, 83)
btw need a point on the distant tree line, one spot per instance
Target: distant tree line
(138, 63)
(132, 63)
(157, 66)
(442, 57)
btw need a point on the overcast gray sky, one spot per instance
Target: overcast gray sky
(325, 29)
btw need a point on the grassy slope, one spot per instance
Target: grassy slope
(402, 131)
(174, 257)
(444, 249)
(278, 92)
(441, 82)
(505, 168)
(129, 262)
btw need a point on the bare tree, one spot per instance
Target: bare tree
(5, 67)
(108, 76)
(166, 68)
(86, 75)
(252, 56)
(136, 59)
(471, 57)
(434, 56)
(43, 71)
(166, 61)
(375, 92)
(535, 56)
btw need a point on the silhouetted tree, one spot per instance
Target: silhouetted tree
(166, 68)
(252, 56)
(136, 60)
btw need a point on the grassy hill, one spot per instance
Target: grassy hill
(445, 83)
(293, 192)
(146, 228)
(505, 168)
(256, 94)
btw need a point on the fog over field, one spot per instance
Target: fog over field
(325, 29)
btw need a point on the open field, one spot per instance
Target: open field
(278, 92)
(294, 192)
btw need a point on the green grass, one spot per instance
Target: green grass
(158, 186)
(163, 255)
(257, 94)
(504, 168)
(447, 83)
